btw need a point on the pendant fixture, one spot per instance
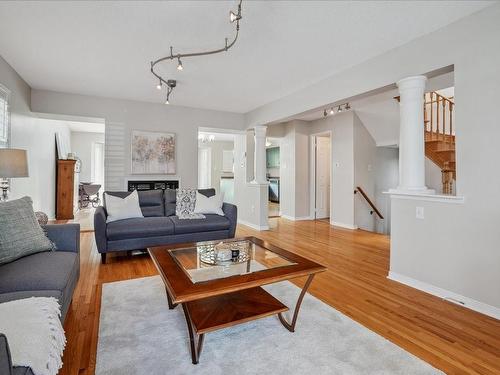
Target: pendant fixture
(171, 83)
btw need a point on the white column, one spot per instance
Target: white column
(260, 155)
(411, 136)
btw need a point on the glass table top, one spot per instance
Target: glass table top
(216, 260)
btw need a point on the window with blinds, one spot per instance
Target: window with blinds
(4, 116)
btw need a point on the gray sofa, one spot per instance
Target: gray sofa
(159, 226)
(46, 274)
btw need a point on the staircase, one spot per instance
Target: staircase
(440, 136)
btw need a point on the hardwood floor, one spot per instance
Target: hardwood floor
(451, 338)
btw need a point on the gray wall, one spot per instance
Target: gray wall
(364, 175)
(123, 116)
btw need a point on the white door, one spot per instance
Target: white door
(322, 177)
(97, 171)
(204, 168)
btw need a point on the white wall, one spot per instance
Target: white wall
(82, 143)
(123, 116)
(38, 137)
(364, 175)
(433, 179)
(386, 177)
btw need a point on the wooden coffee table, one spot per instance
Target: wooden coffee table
(228, 293)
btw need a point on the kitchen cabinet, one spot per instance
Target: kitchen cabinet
(273, 157)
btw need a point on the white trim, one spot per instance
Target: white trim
(312, 168)
(342, 225)
(452, 297)
(253, 226)
(427, 197)
(296, 218)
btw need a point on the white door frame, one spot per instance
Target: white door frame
(312, 166)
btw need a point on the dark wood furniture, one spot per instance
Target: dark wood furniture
(217, 301)
(65, 189)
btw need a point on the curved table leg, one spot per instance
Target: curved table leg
(195, 346)
(291, 327)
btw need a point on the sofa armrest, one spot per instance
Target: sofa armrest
(5, 360)
(100, 217)
(231, 212)
(66, 237)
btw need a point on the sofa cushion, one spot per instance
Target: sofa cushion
(170, 199)
(150, 201)
(208, 224)
(49, 271)
(139, 228)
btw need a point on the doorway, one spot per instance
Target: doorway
(321, 175)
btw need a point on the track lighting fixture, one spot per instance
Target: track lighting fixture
(158, 86)
(346, 106)
(233, 17)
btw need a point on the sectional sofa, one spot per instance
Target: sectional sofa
(160, 225)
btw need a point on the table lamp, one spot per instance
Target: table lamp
(13, 163)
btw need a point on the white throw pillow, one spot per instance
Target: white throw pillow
(209, 205)
(123, 208)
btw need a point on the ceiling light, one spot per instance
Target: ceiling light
(339, 109)
(167, 102)
(347, 106)
(332, 111)
(234, 18)
(158, 86)
(325, 113)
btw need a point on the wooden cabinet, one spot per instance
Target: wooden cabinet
(273, 157)
(65, 189)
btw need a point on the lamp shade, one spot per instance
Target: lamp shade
(13, 163)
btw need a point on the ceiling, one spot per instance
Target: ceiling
(104, 48)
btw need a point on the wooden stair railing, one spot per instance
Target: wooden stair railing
(374, 209)
(439, 112)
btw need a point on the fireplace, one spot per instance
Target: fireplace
(152, 185)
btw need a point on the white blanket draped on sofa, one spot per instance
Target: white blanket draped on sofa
(34, 333)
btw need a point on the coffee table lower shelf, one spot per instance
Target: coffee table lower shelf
(213, 313)
(223, 311)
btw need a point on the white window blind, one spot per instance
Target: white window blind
(4, 116)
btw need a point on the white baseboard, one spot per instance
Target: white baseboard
(296, 218)
(455, 298)
(253, 226)
(342, 225)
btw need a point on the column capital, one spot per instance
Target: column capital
(414, 82)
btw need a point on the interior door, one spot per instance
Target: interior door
(322, 177)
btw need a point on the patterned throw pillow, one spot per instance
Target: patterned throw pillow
(185, 203)
(20, 233)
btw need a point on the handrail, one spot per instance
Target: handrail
(369, 202)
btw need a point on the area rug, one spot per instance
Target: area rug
(139, 335)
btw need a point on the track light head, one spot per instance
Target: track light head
(339, 109)
(332, 111)
(325, 113)
(158, 86)
(233, 16)
(347, 106)
(179, 64)
(167, 102)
